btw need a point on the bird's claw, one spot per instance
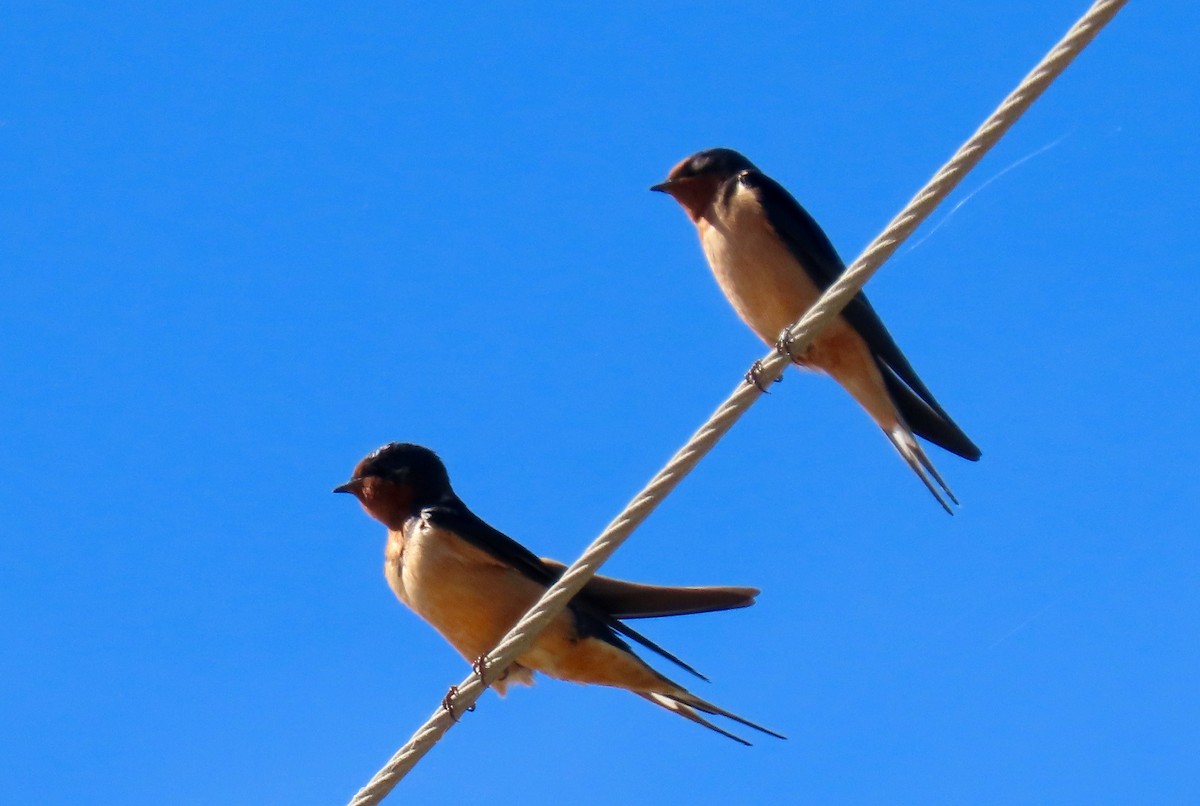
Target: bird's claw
(754, 376)
(784, 344)
(448, 703)
(479, 667)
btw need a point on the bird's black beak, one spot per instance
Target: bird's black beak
(662, 187)
(352, 486)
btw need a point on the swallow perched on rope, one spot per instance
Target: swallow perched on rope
(773, 261)
(472, 583)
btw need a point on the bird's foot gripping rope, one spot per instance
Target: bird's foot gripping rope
(755, 376)
(448, 703)
(785, 343)
(480, 666)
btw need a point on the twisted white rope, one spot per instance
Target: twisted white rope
(836, 297)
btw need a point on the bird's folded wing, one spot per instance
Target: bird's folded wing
(630, 600)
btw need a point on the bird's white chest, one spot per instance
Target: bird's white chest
(759, 276)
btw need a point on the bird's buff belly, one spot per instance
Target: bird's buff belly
(473, 601)
(768, 289)
(762, 281)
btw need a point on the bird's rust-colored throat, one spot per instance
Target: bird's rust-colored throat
(694, 193)
(387, 502)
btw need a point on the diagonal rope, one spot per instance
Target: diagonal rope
(836, 297)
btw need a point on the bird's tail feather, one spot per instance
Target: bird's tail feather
(927, 421)
(686, 704)
(689, 713)
(910, 450)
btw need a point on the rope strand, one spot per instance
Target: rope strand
(836, 297)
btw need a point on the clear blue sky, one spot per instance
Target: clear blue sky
(242, 247)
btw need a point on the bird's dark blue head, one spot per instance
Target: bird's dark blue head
(695, 181)
(397, 480)
(718, 163)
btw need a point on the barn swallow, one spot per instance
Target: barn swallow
(773, 261)
(472, 583)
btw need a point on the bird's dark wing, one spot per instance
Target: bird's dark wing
(590, 619)
(631, 600)
(456, 518)
(812, 249)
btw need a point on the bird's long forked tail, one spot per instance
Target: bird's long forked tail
(920, 415)
(914, 456)
(924, 415)
(687, 705)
